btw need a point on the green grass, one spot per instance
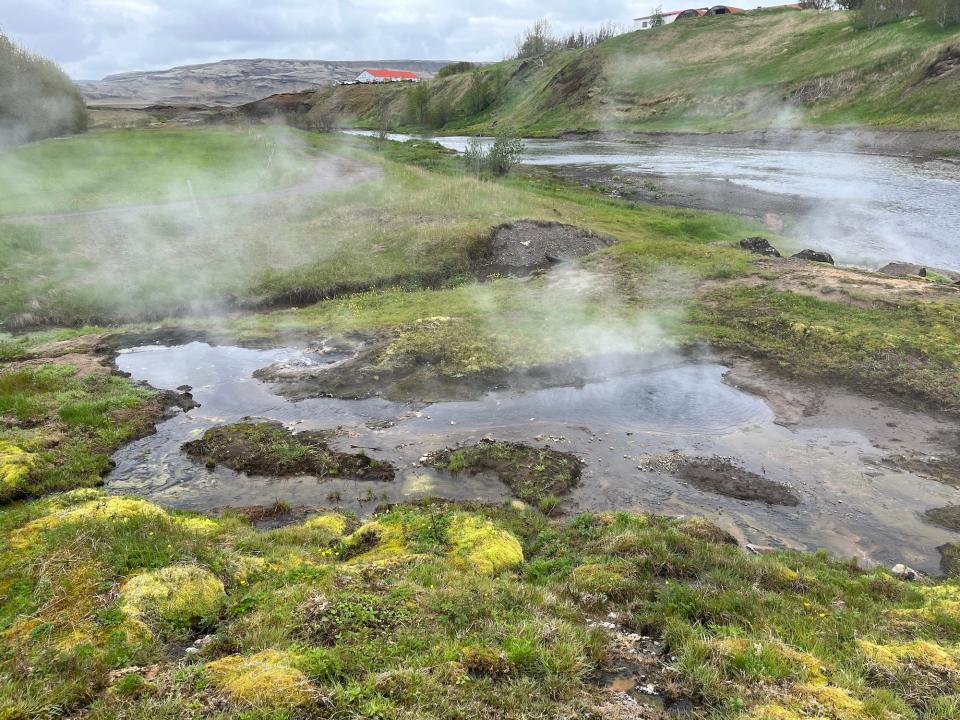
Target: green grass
(911, 350)
(417, 635)
(409, 227)
(59, 428)
(136, 167)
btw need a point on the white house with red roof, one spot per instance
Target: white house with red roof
(378, 76)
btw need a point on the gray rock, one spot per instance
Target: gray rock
(759, 246)
(899, 269)
(903, 572)
(815, 256)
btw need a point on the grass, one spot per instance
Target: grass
(136, 167)
(384, 622)
(412, 226)
(59, 427)
(910, 350)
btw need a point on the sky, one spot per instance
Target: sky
(94, 38)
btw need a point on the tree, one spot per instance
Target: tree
(849, 4)
(942, 12)
(418, 104)
(455, 68)
(877, 12)
(816, 4)
(440, 111)
(381, 115)
(536, 41)
(657, 19)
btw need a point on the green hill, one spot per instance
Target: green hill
(753, 70)
(37, 99)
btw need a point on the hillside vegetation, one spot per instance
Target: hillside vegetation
(37, 99)
(734, 72)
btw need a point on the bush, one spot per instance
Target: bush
(455, 68)
(499, 159)
(37, 99)
(505, 152)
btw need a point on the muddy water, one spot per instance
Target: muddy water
(865, 209)
(850, 505)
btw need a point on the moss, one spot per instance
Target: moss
(331, 523)
(479, 545)
(15, 464)
(470, 541)
(180, 595)
(102, 509)
(772, 661)
(893, 657)
(533, 474)
(267, 680)
(267, 448)
(819, 702)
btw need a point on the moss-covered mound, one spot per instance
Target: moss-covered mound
(471, 542)
(531, 473)
(181, 595)
(264, 681)
(266, 448)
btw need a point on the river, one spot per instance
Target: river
(866, 210)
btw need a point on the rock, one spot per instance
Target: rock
(903, 572)
(759, 246)
(899, 269)
(815, 256)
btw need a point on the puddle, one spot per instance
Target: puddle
(849, 504)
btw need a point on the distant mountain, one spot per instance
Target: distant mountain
(230, 82)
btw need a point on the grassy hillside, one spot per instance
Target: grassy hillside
(37, 99)
(735, 72)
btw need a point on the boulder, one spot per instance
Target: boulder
(759, 246)
(899, 269)
(903, 572)
(815, 256)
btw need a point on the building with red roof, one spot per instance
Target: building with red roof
(371, 75)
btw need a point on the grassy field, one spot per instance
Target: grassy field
(116, 168)
(409, 225)
(760, 69)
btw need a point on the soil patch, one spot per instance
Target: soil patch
(268, 448)
(946, 517)
(721, 476)
(531, 473)
(527, 245)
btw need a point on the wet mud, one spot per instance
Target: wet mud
(946, 517)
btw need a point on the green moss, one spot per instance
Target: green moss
(179, 595)
(531, 473)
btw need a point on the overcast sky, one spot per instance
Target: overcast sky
(93, 38)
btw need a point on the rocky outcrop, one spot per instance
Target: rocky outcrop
(815, 256)
(759, 246)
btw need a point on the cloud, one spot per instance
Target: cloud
(93, 38)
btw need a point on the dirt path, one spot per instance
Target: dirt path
(330, 172)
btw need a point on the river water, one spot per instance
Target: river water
(865, 209)
(851, 503)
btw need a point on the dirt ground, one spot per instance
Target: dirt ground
(526, 245)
